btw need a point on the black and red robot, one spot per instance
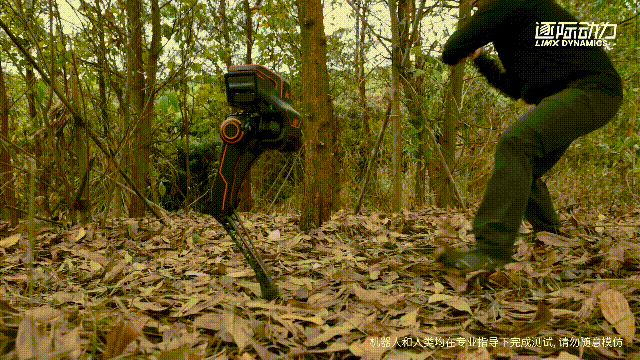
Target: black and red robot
(266, 121)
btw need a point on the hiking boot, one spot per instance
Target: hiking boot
(468, 261)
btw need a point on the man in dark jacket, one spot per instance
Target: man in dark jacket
(575, 89)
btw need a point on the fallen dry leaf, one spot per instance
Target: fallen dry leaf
(10, 241)
(274, 235)
(121, 336)
(373, 296)
(557, 240)
(479, 354)
(208, 321)
(368, 349)
(407, 355)
(245, 356)
(238, 328)
(588, 309)
(184, 352)
(44, 314)
(115, 271)
(149, 305)
(70, 345)
(566, 356)
(80, 234)
(33, 340)
(40, 337)
(456, 302)
(615, 309)
(532, 328)
(329, 332)
(349, 280)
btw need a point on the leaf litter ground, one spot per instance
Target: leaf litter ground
(361, 286)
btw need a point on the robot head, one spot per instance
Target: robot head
(256, 89)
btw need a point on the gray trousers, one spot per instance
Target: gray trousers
(527, 150)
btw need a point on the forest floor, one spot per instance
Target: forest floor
(361, 286)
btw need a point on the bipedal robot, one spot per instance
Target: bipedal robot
(266, 121)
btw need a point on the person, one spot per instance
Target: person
(575, 90)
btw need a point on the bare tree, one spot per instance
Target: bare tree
(395, 107)
(142, 94)
(321, 178)
(445, 190)
(8, 191)
(81, 142)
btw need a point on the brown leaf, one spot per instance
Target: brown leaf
(10, 241)
(458, 283)
(148, 305)
(459, 303)
(274, 235)
(91, 255)
(121, 336)
(238, 328)
(33, 340)
(39, 337)
(331, 331)
(615, 309)
(614, 258)
(557, 240)
(262, 351)
(373, 296)
(569, 294)
(6, 309)
(70, 345)
(209, 322)
(480, 354)
(588, 309)
(456, 302)
(44, 314)
(368, 349)
(409, 319)
(245, 356)
(543, 316)
(80, 234)
(115, 271)
(566, 356)
(185, 352)
(500, 278)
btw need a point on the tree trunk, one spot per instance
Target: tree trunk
(396, 202)
(41, 152)
(410, 20)
(102, 63)
(136, 106)
(366, 147)
(222, 11)
(148, 114)
(445, 192)
(79, 137)
(8, 191)
(361, 26)
(321, 179)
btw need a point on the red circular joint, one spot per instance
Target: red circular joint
(231, 130)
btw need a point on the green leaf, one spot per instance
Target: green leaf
(167, 31)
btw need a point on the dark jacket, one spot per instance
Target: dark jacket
(529, 71)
